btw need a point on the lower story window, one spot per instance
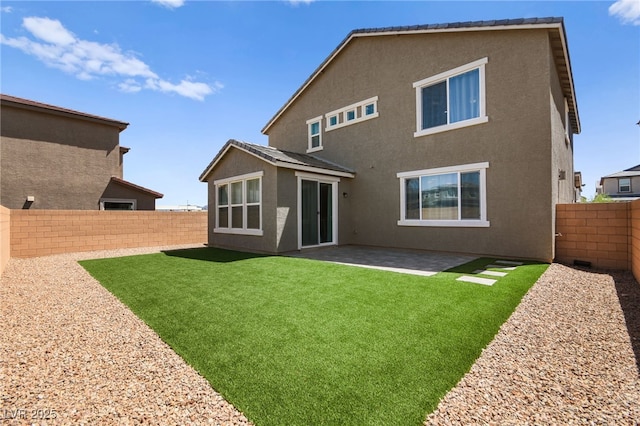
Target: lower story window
(446, 196)
(117, 204)
(239, 204)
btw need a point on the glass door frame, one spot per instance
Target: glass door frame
(333, 181)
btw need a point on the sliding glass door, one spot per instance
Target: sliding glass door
(317, 204)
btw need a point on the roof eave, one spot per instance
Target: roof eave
(62, 112)
(278, 163)
(371, 33)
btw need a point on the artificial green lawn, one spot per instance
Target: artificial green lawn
(294, 341)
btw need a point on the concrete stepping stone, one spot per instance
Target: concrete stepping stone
(477, 280)
(492, 273)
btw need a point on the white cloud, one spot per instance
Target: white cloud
(627, 10)
(171, 4)
(6, 9)
(59, 48)
(49, 30)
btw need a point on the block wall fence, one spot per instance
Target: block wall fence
(45, 232)
(5, 237)
(605, 234)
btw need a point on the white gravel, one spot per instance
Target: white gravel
(68, 347)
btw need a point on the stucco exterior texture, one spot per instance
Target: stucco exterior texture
(523, 142)
(62, 162)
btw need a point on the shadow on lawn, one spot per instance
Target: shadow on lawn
(628, 291)
(210, 254)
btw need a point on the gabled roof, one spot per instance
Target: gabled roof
(632, 171)
(279, 158)
(555, 25)
(135, 187)
(52, 109)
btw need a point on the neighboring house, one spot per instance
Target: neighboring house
(452, 137)
(56, 158)
(621, 186)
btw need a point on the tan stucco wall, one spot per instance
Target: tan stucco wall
(46, 232)
(64, 163)
(236, 163)
(610, 186)
(521, 141)
(143, 201)
(5, 237)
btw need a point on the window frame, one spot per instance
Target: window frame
(132, 201)
(620, 185)
(359, 112)
(229, 229)
(310, 135)
(445, 77)
(465, 168)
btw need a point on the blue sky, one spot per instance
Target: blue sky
(189, 75)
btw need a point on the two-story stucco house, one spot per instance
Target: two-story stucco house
(451, 137)
(57, 158)
(621, 186)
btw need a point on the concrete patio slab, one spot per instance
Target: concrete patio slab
(415, 262)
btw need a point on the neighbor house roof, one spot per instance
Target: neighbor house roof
(632, 171)
(554, 25)
(135, 187)
(52, 109)
(279, 158)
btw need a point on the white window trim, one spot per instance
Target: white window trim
(310, 147)
(461, 223)
(334, 211)
(358, 108)
(418, 85)
(119, 200)
(620, 186)
(228, 181)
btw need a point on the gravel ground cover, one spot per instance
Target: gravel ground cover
(566, 356)
(69, 349)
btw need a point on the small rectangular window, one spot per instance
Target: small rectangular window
(369, 109)
(315, 135)
(624, 185)
(350, 115)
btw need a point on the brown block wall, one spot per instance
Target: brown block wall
(635, 239)
(5, 237)
(599, 233)
(45, 232)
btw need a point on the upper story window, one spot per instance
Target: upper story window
(446, 196)
(351, 114)
(567, 123)
(451, 99)
(624, 185)
(239, 204)
(315, 134)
